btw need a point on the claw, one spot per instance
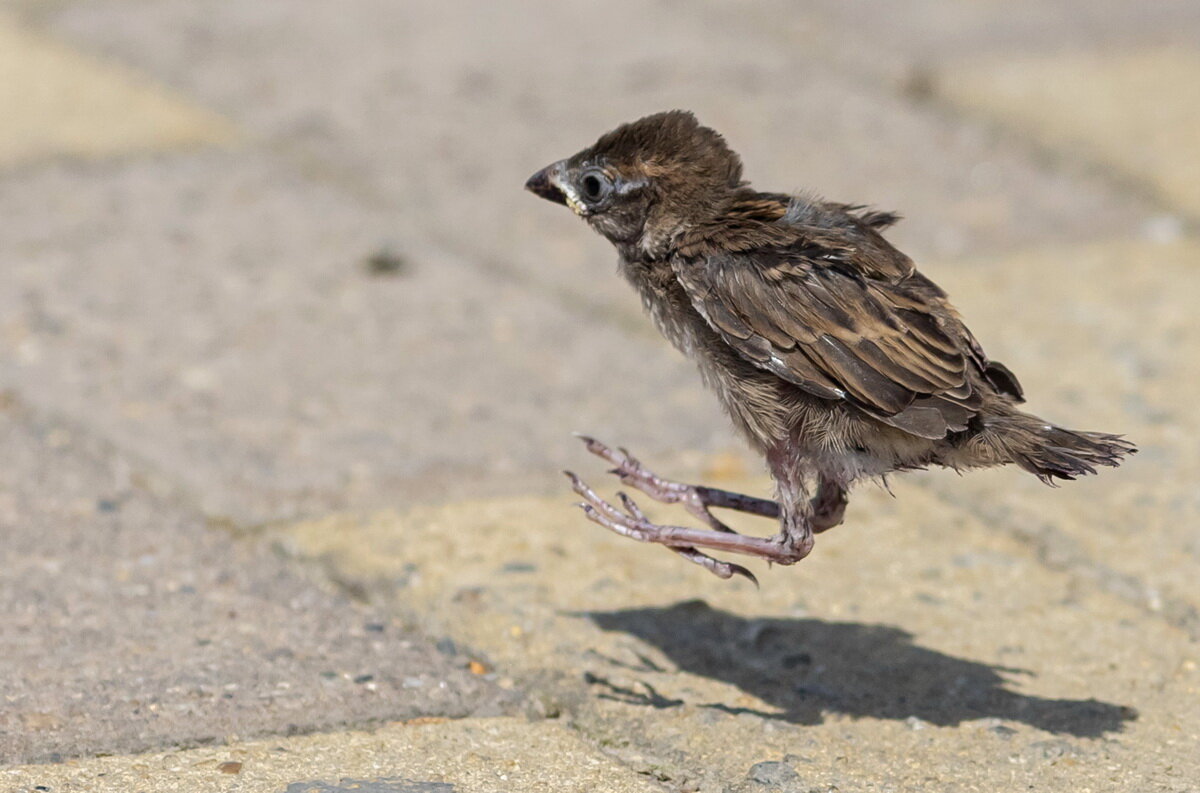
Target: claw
(737, 569)
(718, 568)
(590, 512)
(631, 507)
(591, 443)
(630, 521)
(601, 450)
(576, 483)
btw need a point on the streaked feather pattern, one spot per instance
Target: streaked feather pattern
(835, 322)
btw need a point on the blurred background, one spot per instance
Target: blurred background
(263, 261)
(195, 195)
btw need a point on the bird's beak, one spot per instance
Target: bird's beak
(547, 183)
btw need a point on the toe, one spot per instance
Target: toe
(631, 507)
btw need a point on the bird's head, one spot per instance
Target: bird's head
(645, 181)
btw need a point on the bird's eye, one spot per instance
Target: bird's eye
(594, 186)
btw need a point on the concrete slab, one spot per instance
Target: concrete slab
(60, 102)
(444, 109)
(216, 316)
(126, 623)
(916, 648)
(424, 756)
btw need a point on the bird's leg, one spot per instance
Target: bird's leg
(696, 499)
(828, 505)
(788, 547)
(796, 510)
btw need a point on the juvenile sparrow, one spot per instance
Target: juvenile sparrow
(830, 352)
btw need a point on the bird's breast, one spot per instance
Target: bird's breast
(668, 306)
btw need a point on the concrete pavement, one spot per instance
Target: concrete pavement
(203, 374)
(423, 756)
(131, 623)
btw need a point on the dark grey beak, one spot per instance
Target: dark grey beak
(544, 183)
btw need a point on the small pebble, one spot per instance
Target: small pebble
(772, 773)
(385, 261)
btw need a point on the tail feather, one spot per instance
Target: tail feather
(1049, 452)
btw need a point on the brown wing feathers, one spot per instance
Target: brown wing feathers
(837, 336)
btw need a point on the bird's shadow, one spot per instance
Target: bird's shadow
(808, 667)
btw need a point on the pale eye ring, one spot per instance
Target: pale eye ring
(594, 186)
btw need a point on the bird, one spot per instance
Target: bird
(834, 357)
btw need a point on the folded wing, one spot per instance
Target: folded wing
(877, 343)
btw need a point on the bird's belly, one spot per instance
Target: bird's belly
(825, 435)
(760, 405)
(848, 444)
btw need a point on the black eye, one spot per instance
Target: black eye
(594, 186)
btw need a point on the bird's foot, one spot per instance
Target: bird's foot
(632, 522)
(828, 505)
(696, 499)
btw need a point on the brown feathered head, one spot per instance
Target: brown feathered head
(645, 180)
